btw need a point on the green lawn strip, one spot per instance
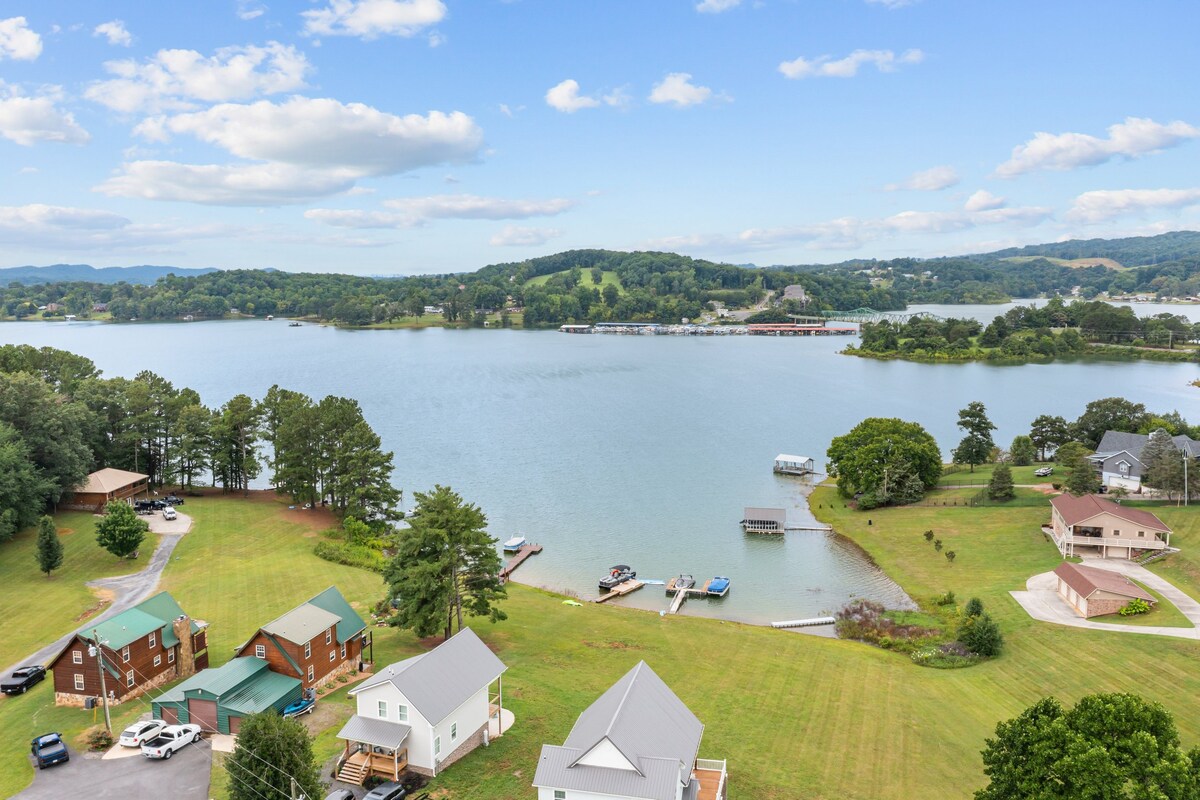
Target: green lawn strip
(36, 610)
(1162, 614)
(1183, 568)
(962, 476)
(977, 496)
(609, 278)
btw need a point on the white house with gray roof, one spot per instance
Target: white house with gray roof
(425, 712)
(638, 741)
(1118, 457)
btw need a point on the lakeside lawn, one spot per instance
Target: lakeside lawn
(962, 476)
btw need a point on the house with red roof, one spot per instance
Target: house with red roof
(1093, 525)
(1094, 592)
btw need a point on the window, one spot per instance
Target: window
(343, 649)
(1141, 534)
(260, 651)
(310, 673)
(332, 655)
(1116, 532)
(437, 746)
(129, 678)
(453, 731)
(125, 654)
(153, 641)
(77, 657)
(171, 656)
(402, 712)
(158, 660)
(383, 709)
(307, 650)
(78, 682)
(329, 636)
(560, 794)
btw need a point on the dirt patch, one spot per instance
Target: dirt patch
(325, 716)
(105, 597)
(65, 531)
(615, 645)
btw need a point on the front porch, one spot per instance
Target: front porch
(710, 777)
(374, 748)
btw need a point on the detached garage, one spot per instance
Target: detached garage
(217, 699)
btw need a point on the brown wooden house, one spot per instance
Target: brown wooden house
(148, 645)
(315, 642)
(105, 485)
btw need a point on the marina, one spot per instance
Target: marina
(659, 329)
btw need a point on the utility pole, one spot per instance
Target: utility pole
(103, 688)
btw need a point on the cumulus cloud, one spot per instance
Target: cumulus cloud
(678, 90)
(565, 97)
(410, 212)
(517, 236)
(180, 79)
(983, 200)
(115, 32)
(17, 41)
(28, 120)
(716, 6)
(1063, 151)
(370, 19)
(828, 67)
(1106, 204)
(933, 179)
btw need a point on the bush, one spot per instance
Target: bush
(928, 536)
(946, 599)
(951, 655)
(351, 555)
(99, 739)
(1134, 607)
(981, 635)
(867, 621)
(937, 545)
(974, 607)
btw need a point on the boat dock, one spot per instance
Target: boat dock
(786, 464)
(804, 623)
(681, 594)
(620, 590)
(525, 552)
(774, 520)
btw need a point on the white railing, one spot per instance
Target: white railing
(1109, 541)
(713, 765)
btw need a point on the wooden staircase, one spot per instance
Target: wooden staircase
(353, 773)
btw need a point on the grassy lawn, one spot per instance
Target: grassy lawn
(62, 601)
(1163, 613)
(609, 278)
(983, 473)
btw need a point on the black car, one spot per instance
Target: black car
(22, 680)
(49, 748)
(173, 500)
(387, 791)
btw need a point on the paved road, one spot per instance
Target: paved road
(1042, 602)
(128, 590)
(184, 777)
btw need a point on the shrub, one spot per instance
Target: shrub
(1134, 607)
(950, 554)
(867, 621)
(928, 536)
(974, 607)
(981, 635)
(951, 655)
(99, 739)
(937, 545)
(351, 555)
(946, 599)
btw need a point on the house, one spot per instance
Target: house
(106, 485)
(99, 308)
(1118, 457)
(148, 645)
(424, 713)
(218, 699)
(315, 642)
(795, 292)
(1094, 592)
(1112, 529)
(638, 740)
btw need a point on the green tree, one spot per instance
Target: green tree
(53, 429)
(8, 525)
(49, 547)
(1023, 451)
(445, 564)
(973, 608)
(121, 532)
(1107, 747)
(235, 434)
(977, 445)
(1000, 486)
(357, 472)
(1163, 462)
(1070, 452)
(880, 454)
(980, 634)
(23, 490)
(1048, 433)
(195, 429)
(1109, 414)
(1083, 478)
(272, 752)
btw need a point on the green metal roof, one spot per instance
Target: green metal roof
(275, 643)
(219, 681)
(148, 616)
(261, 692)
(350, 623)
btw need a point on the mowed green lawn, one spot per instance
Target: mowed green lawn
(609, 278)
(983, 474)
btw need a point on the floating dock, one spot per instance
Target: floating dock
(774, 520)
(620, 590)
(525, 552)
(804, 623)
(681, 594)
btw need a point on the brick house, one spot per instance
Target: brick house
(1093, 524)
(1094, 592)
(316, 642)
(144, 647)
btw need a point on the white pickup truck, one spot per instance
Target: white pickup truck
(170, 739)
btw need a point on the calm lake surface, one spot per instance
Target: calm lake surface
(623, 449)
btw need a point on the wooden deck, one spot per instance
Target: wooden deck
(620, 590)
(525, 552)
(712, 784)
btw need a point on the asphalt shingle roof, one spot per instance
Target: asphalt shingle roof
(1086, 580)
(110, 480)
(1075, 510)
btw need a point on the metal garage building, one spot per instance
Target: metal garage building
(217, 699)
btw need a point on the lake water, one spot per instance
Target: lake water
(622, 449)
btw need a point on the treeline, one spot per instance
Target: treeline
(1131, 251)
(61, 419)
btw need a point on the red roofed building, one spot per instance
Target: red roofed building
(1094, 592)
(1113, 530)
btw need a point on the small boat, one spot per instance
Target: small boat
(293, 324)
(515, 543)
(680, 583)
(270, 317)
(617, 575)
(718, 586)
(305, 705)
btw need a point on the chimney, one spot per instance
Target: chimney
(185, 664)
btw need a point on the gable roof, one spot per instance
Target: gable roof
(313, 616)
(1133, 443)
(437, 682)
(644, 720)
(556, 769)
(1075, 510)
(107, 480)
(1087, 580)
(349, 622)
(242, 684)
(148, 616)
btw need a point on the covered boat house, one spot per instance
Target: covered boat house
(764, 520)
(794, 465)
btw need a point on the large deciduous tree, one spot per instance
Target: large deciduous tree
(976, 446)
(1022, 451)
(23, 490)
(445, 564)
(1108, 414)
(121, 532)
(1107, 747)
(885, 461)
(273, 760)
(1047, 433)
(53, 429)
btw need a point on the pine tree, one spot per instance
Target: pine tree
(981, 635)
(1083, 479)
(49, 547)
(1000, 487)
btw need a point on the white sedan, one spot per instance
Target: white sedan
(139, 733)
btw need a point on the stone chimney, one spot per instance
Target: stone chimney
(185, 664)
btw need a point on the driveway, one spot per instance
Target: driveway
(184, 777)
(1041, 601)
(128, 590)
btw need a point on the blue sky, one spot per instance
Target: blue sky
(410, 136)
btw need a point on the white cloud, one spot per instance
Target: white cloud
(716, 6)
(248, 10)
(410, 212)
(983, 200)
(892, 4)
(678, 90)
(1105, 204)
(29, 120)
(38, 215)
(565, 97)
(435, 39)
(178, 79)
(115, 32)
(17, 41)
(225, 184)
(826, 67)
(933, 179)
(1129, 139)
(28, 171)
(369, 19)
(516, 236)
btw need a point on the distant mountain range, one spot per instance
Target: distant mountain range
(146, 274)
(1133, 251)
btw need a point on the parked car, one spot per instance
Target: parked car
(143, 507)
(169, 513)
(1044, 472)
(158, 505)
(170, 739)
(22, 680)
(387, 791)
(139, 733)
(340, 794)
(173, 499)
(49, 748)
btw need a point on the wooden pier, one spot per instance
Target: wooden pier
(620, 590)
(525, 551)
(681, 594)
